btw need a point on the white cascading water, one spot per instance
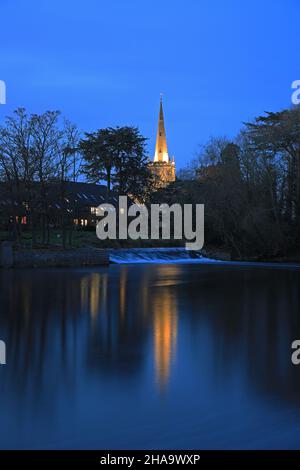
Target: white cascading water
(157, 255)
(181, 255)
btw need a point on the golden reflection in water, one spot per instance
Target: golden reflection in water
(83, 292)
(165, 321)
(159, 304)
(93, 289)
(95, 285)
(122, 292)
(104, 290)
(165, 336)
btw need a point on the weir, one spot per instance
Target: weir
(157, 255)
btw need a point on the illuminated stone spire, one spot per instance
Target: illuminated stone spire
(161, 149)
(162, 167)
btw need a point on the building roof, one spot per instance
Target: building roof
(74, 195)
(89, 194)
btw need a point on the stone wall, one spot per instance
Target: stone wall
(50, 258)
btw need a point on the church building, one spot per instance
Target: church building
(162, 166)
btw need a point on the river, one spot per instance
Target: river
(150, 355)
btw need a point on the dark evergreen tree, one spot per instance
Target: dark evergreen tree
(118, 156)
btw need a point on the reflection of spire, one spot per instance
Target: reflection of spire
(165, 334)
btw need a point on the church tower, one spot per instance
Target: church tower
(162, 167)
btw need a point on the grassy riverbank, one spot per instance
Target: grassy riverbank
(87, 239)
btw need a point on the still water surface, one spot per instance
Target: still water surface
(150, 356)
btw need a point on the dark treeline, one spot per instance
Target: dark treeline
(250, 187)
(35, 150)
(39, 154)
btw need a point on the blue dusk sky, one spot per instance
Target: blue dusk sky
(104, 63)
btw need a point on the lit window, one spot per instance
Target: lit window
(22, 220)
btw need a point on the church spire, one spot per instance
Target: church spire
(162, 168)
(161, 149)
